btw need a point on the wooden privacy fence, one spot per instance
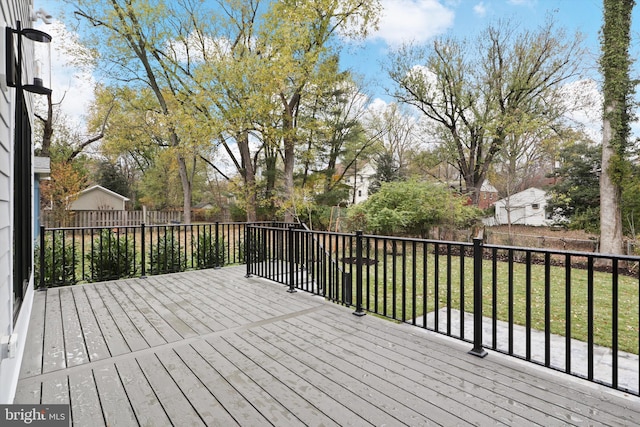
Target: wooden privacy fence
(113, 218)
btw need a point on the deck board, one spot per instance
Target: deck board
(53, 350)
(145, 328)
(130, 333)
(241, 410)
(116, 408)
(176, 303)
(209, 408)
(215, 348)
(85, 403)
(143, 398)
(175, 322)
(166, 331)
(173, 401)
(94, 340)
(116, 344)
(548, 395)
(74, 345)
(32, 365)
(390, 364)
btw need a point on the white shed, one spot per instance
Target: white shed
(527, 207)
(98, 198)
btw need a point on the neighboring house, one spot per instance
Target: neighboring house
(359, 177)
(98, 198)
(16, 193)
(488, 195)
(527, 207)
(204, 206)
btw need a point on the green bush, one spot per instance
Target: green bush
(411, 208)
(258, 249)
(207, 256)
(111, 257)
(166, 255)
(60, 261)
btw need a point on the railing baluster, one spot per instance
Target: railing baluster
(567, 313)
(462, 299)
(292, 273)
(143, 266)
(614, 324)
(510, 299)
(359, 311)
(414, 285)
(43, 260)
(494, 298)
(547, 309)
(590, 318)
(477, 349)
(528, 304)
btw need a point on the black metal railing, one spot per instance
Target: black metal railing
(575, 312)
(73, 255)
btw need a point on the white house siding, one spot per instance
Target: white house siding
(359, 184)
(97, 198)
(10, 12)
(525, 208)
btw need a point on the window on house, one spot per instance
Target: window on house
(359, 193)
(535, 206)
(22, 220)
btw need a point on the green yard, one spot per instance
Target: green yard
(453, 272)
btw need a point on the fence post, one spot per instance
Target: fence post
(247, 249)
(217, 250)
(292, 261)
(359, 311)
(143, 250)
(42, 260)
(477, 349)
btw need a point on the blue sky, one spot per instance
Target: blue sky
(402, 20)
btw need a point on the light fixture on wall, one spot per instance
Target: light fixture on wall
(41, 66)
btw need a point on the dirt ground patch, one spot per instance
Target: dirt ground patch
(542, 237)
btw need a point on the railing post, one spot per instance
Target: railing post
(42, 260)
(217, 250)
(292, 262)
(477, 349)
(359, 311)
(143, 252)
(247, 249)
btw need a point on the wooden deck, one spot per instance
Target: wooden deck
(212, 347)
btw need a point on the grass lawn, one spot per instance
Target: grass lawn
(448, 281)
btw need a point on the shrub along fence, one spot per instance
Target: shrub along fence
(67, 256)
(576, 312)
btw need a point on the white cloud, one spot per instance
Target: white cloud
(71, 84)
(480, 9)
(530, 3)
(412, 20)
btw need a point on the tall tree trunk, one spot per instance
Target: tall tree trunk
(289, 162)
(249, 176)
(186, 189)
(617, 90)
(289, 140)
(610, 195)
